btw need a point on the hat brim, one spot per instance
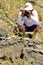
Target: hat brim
(28, 8)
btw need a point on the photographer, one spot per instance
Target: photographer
(28, 19)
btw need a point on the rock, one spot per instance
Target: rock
(18, 48)
(3, 43)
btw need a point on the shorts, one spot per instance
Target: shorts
(31, 28)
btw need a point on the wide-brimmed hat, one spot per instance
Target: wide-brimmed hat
(27, 6)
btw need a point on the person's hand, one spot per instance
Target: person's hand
(23, 12)
(29, 13)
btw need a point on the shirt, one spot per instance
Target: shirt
(32, 20)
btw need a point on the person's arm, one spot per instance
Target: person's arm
(20, 22)
(34, 17)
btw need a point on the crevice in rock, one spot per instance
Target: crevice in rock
(41, 53)
(22, 54)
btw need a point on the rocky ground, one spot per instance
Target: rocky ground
(21, 49)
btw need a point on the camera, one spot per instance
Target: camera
(26, 14)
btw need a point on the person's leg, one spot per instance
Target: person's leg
(28, 29)
(33, 28)
(36, 32)
(37, 29)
